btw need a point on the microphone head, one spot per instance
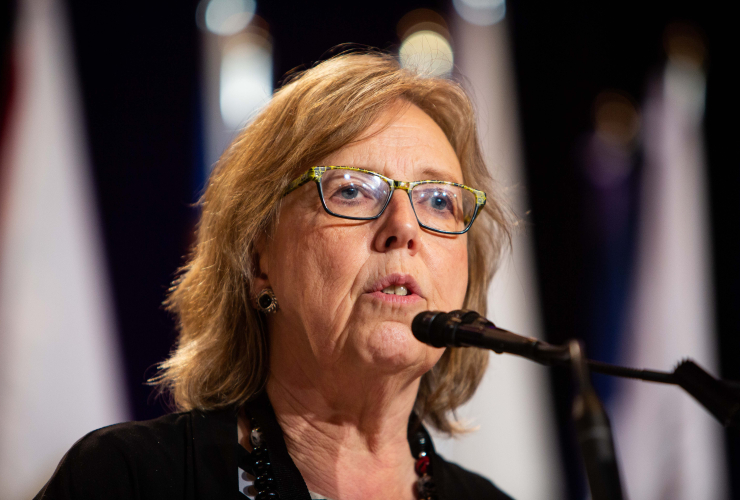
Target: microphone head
(717, 397)
(422, 329)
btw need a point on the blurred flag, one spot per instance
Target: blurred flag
(59, 367)
(669, 446)
(515, 444)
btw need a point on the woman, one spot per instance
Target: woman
(315, 250)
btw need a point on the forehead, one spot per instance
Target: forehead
(404, 143)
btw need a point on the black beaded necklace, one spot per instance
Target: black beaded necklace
(423, 468)
(266, 486)
(264, 481)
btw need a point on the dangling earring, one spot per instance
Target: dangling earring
(266, 301)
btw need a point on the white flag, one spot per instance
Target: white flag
(668, 445)
(60, 373)
(516, 443)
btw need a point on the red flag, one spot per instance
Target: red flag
(60, 374)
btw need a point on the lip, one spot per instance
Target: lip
(397, 279)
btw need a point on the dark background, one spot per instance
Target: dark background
(139, 67)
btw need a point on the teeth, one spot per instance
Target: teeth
(396, 290)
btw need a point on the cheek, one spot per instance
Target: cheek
(448, 267)
(315, 269)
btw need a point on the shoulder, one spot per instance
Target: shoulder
(116, 461)
(454, 482)
(159, 441)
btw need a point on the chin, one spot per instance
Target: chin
(392, 347)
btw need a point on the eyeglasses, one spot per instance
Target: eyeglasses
(357, 194)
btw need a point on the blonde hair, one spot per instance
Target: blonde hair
(221, 356)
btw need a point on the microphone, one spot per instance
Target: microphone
(470, 329)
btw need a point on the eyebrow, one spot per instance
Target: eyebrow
(431, 173)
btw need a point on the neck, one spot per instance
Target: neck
(348, 438)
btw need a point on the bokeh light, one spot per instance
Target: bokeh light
(481, 12)
(420, 20)
(428, 53)
(245, 78)
(227, 17)
(616, 118)
(684, 44)
(425, 46)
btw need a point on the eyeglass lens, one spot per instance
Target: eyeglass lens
(358, 194)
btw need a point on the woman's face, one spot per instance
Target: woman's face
(329, 273)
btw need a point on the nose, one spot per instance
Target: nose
(398, 227)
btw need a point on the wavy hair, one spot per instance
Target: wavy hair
(221, 356)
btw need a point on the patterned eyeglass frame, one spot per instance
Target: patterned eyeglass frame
(316, 173)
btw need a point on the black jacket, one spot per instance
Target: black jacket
(194, 455)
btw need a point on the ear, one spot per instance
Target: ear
(261, 264)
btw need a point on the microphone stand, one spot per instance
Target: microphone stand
(463, 328)
(594, 431)
(720, 397)
(468, 329)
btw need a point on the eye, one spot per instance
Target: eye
(439, 202)
(353, 194)
(434, 202)
(349, 192)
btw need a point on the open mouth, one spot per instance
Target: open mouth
(396, 290)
